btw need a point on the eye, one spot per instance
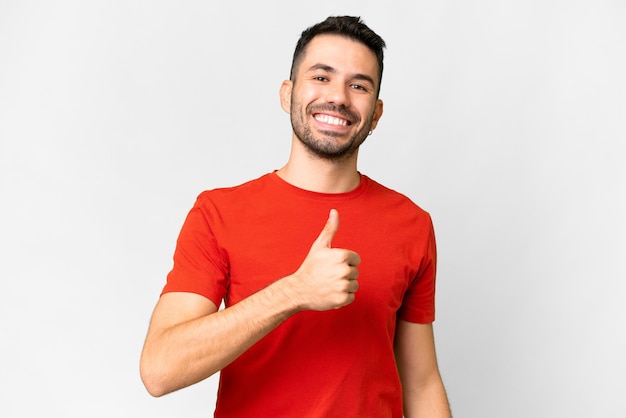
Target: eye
(358, 87)
(320, 78)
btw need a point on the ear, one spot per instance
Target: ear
(285, 95)
(378, 112)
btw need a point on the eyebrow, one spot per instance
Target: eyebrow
(329, 69)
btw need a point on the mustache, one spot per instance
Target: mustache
(329, 107)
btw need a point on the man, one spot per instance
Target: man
(336, 323)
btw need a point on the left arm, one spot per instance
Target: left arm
(422, 388)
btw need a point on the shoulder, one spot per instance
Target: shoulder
(237, 203)
(234, 193)
(394, 200)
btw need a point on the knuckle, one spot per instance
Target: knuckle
(346, 271)
(342, 255)
(355, 273)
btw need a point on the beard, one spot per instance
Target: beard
(323, 145)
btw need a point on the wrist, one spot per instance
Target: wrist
(287, 290)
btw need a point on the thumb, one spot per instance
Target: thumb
(330, 229)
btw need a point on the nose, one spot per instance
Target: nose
(338, 94)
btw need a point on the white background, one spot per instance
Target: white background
(505, 120)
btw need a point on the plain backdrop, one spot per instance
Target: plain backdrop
(504, 119)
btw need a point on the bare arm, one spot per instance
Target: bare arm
(189, 339)
(422, 388)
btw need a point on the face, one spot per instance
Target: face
(333, 98)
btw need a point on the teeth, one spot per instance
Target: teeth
(331, 120)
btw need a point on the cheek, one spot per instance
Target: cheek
(309, 94)
(372, 113)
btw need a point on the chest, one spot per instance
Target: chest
(390, 258)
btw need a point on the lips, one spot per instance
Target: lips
(332, 115)
(331, 120)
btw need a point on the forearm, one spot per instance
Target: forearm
(189, 352)
(422, 388)
(189, 340)
(427, 401)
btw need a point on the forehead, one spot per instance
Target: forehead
(341, 53)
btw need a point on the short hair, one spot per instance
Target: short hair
(347, 26)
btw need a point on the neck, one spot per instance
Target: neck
(316, 174)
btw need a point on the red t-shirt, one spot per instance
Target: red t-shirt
(337, 363)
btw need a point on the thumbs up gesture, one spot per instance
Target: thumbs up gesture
(327, 278)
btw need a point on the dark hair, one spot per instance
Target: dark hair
(348, 26)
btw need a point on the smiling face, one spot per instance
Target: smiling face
(332, 99)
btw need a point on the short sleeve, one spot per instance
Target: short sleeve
(418, 304)
(200, 264)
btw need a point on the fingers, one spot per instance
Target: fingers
(353, 259)
(327, 278)
(325, 238)
(353, 286)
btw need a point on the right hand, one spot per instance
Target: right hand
(327, 278)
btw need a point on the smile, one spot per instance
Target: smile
(331, 120)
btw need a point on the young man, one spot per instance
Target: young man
(336, 323)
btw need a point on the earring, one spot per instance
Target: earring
(369, 133)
